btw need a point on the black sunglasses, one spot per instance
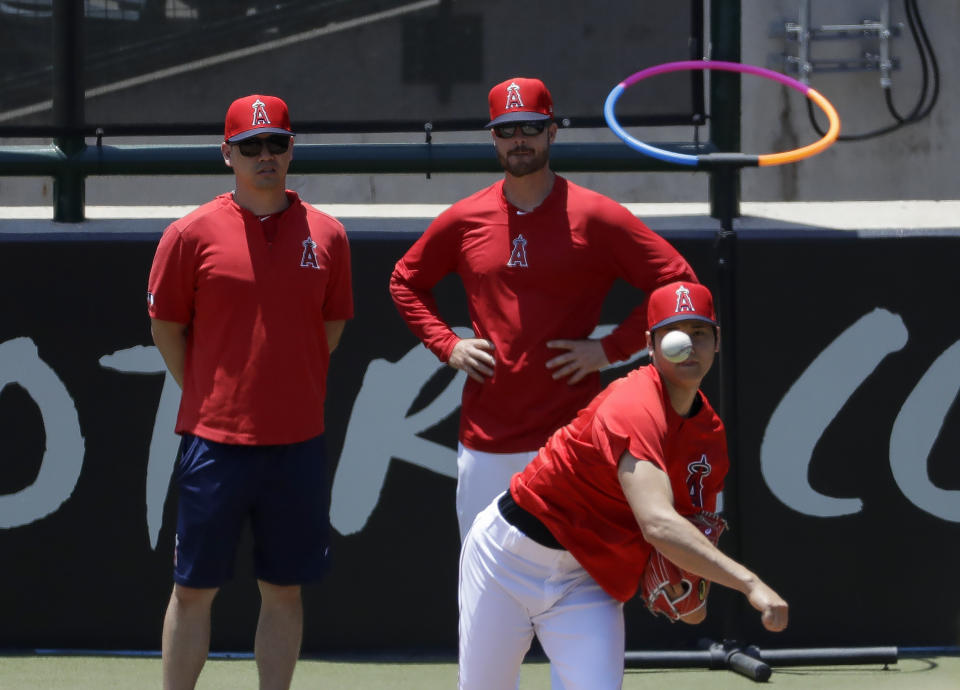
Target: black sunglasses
(276, 144)
(528, 129)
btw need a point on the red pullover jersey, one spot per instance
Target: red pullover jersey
(255, 294)
(531, 278)
(573, 488)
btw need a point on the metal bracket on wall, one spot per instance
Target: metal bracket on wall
(877, 33)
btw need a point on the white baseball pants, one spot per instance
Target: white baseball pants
(511, 588)
(481, 477)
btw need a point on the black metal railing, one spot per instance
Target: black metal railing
(78, 149)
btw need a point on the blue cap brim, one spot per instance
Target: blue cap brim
(518, 116)
(682, 317)
(257, 132)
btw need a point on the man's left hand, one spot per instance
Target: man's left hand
(582, 357)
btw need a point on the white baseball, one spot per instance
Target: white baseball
(676, 346)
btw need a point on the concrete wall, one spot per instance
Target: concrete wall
(916, 162)
(913, 163)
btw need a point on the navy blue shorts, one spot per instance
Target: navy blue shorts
(283, 492)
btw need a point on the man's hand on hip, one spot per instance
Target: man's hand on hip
(582, 357)
(473, 356)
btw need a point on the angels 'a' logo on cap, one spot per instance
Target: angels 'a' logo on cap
(260, 113)
(513, 97)
(684, 303)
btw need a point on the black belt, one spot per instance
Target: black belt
(526, 522)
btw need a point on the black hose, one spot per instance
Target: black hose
(928, 64)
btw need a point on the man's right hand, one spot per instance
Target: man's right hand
(473, 356)
(773, 609)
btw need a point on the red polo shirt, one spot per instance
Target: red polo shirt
(255, 294)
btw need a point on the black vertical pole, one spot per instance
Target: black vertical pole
(68, 116)
(725, 206)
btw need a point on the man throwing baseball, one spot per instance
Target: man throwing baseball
(626, 487)
(537, 255)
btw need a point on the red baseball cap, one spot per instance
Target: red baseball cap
(519, 100)
(678, 302)
(252, 115)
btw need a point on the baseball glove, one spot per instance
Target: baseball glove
(671, 591)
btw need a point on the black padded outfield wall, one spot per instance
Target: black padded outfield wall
(849, 488)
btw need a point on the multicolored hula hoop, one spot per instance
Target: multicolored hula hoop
(742, 159)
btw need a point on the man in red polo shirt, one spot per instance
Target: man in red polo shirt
(559, 552)
(537, 255)
(248, 296)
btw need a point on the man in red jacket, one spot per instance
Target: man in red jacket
(537, 255)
